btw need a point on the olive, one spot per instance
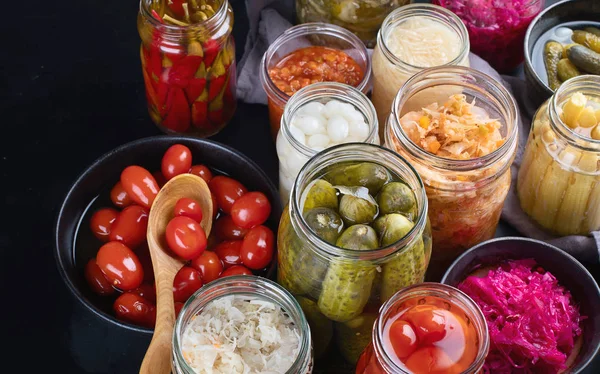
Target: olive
(396, 197)
(320, 194)
(360, 237)
(355, 210)
(325, 223)
(392, 227)
(366, 174)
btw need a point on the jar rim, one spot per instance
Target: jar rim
(441, 14)
(212, 22)
(312, 28)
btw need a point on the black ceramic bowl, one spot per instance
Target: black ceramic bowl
(559, 13)
(91, 190)
(569, 272)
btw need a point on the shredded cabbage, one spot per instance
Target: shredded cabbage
(533, 321)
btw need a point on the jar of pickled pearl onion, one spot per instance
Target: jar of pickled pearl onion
(317, 117)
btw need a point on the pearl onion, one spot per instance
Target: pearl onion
(337, 128)
(298, 135)
(332, 108)
(312, 108)
(318, 140)
(309, 124)
(563, 32)
(359, 130)
(282, 145)
(295, 161)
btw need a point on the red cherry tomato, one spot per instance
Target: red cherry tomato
(160, 179)
(135, 309)
(251, 210)
(235, 270)
(147, 291)
(215, 204)
(201, 171)
(186, 207)
(227, 191)
(178, 307)
(176, 160)
(429, 359)
(429, 323)
(187, 281)
(130, 226)
(225, 229)
(119, 196)
(403, 338)
(143, 253)
(102, 223)
(120, 266)
(96, 279)
(257, 248)
(140, 185)
(185, 237)
(229, 253)
(209, 265)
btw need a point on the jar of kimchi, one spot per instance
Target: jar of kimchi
(188, 63)
(458, 128)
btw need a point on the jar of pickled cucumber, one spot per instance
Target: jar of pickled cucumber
(188, 63)
(559, 179)
(458, 128)
(354, 233)
(362, 17)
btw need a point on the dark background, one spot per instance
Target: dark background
(72, 90)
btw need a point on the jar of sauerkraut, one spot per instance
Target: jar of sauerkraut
(458, 128)
(317, 117)
(412, 38)
(240, 324)
(559, 179)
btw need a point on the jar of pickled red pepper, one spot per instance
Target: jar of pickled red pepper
(458, 128)
(427, 328)
(496, 28)
(188, 63)
(354, 233)
(559, 180)
(307, 54)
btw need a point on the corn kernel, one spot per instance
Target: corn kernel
(424, 122)
(549, 136)
(587, 118)
(596, 132)
(573, 108)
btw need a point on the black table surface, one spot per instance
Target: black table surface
(72, 90)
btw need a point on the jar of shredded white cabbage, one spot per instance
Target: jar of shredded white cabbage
(412, 38)
(242, 324)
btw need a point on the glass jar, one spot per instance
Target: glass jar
(294, 153)
(496, 28)
(559, 179)
(362, 17)
(390, 72)
(465, 195)
(254, 288)
(376, 359)
(189, 69)
(302, 36)
(343, 288)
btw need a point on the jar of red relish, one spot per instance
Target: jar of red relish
(427, 328)
(188, 63)
(496, 28)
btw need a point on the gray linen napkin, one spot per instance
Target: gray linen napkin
(269, 18)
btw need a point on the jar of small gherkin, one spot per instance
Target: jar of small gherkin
(354, 233)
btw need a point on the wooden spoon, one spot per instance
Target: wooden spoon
(158, 356)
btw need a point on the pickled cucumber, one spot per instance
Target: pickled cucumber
(585, 59)
(587, 39)
(366, 174)
(353, 336)
(391, 228)
(407, 268)
(566, 70)
(319, 194)
(320, 327)
(397, 197)
(355, 210)
(325, 223)
(552, 54)
(593, 30)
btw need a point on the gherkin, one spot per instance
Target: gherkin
(319, 194)
(366, 174)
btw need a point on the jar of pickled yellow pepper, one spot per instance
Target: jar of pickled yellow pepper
(559, 179)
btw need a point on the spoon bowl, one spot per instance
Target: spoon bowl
(166, 266)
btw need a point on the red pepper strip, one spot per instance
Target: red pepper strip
(215, 107)
(154, 63)
(175, 56)
(211, 49)
(176, 7)
(195, 88)
(157, 16)
(151, 94)
(184, 70)
(218, 76)
(162, 95)
(178, 115)
(200, 110)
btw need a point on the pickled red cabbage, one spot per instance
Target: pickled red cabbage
(533, 321)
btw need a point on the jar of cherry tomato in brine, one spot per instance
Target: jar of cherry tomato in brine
(188, 63)
(307, 54)
(427, 328)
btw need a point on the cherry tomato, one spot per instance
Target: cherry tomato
(102, 223)
(201, 171)
(429, 359)
(96, 279)
(176, 160)
(227, 191)
(209, 265)
(160, 179)
(186, 207)
(251, 210)
(257, 248)
(135, 309)
(187, 281)
(143, 253)
(215, 204)
(147, 291)
(235, 270)
(429, 323)
(130, 226)
(225, 229)
(120, 266)
(119, 196)
(229, 253)
(140, 185)
(185, 237)
(403, 338)
(178, 307)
